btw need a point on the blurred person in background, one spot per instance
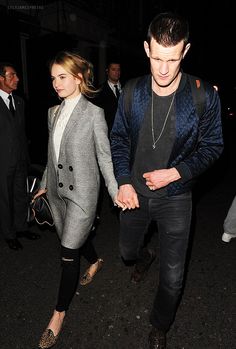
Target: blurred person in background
(230, 223)
(14, 160)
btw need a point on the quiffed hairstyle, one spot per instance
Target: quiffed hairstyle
(3, 66)
(168, 29)
(75, 64)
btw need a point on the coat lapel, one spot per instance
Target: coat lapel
(55, 112)
(77, 114)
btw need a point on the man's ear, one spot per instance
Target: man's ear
(187, 47)
(146, 48)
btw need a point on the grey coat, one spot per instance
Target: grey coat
(73, 182)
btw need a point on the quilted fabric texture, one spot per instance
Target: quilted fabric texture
(198, 142)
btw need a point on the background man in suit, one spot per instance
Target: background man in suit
(109, 93)
(107, 99)
(14, 161)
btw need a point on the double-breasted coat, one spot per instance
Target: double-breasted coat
(73, 182)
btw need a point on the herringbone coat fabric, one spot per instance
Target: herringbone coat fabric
(73, 182)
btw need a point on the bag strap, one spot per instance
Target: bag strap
(129, 89)
(198, 93)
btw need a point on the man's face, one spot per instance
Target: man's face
(113, 72)
(165, 61)
(9, 81)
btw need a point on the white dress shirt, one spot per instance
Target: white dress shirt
(63, 118)
(5, 98)
(112, 86)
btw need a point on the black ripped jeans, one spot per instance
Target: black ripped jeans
(71, 270)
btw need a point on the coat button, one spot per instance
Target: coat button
(70, 168)
(60, 166)
(60, 185)
(71, 187)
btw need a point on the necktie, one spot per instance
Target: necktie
(117, 91)
(11, 107)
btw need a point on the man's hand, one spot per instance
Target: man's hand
(128, 197)
(160, 178)
(119, 203)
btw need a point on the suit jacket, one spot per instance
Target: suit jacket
(13, 143)
(108, 101)
(73, 182)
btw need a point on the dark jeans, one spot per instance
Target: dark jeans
(13, 201)
(173, 218)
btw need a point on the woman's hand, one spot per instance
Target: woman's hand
(39, 193)
(119, 204)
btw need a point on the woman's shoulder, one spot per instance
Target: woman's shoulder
(52, 110)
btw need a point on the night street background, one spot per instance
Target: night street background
(111, 312)
(34, 31)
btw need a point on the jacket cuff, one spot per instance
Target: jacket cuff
(184, 172)
(124, 180)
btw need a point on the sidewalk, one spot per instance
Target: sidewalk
(111, 312)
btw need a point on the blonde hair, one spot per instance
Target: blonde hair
(74, 65)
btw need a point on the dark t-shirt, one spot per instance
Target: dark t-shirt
(146, 158)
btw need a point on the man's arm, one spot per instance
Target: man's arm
(161, 178)
(210, 140)
(120, 144)
(120, 149)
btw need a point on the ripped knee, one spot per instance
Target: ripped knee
(69, 257)
(69, 262)
(64, 259)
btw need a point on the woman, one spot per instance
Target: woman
(89, 253)
(78, 146)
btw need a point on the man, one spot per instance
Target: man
(107, 99)
(159, 148)
(109, 93)
(14, 161)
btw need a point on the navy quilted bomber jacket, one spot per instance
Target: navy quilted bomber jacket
(198, 140)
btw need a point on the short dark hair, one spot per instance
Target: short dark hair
(168, 29)
(3, 66)
(112, 62)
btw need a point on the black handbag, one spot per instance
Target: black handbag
(39, 209)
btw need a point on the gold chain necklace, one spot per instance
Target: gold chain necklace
(155, 141)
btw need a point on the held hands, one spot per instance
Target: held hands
(127, 197)
(160, 178)
(119, 204)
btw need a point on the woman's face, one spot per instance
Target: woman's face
(64, 83)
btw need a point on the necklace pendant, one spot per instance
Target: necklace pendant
(153, 146)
